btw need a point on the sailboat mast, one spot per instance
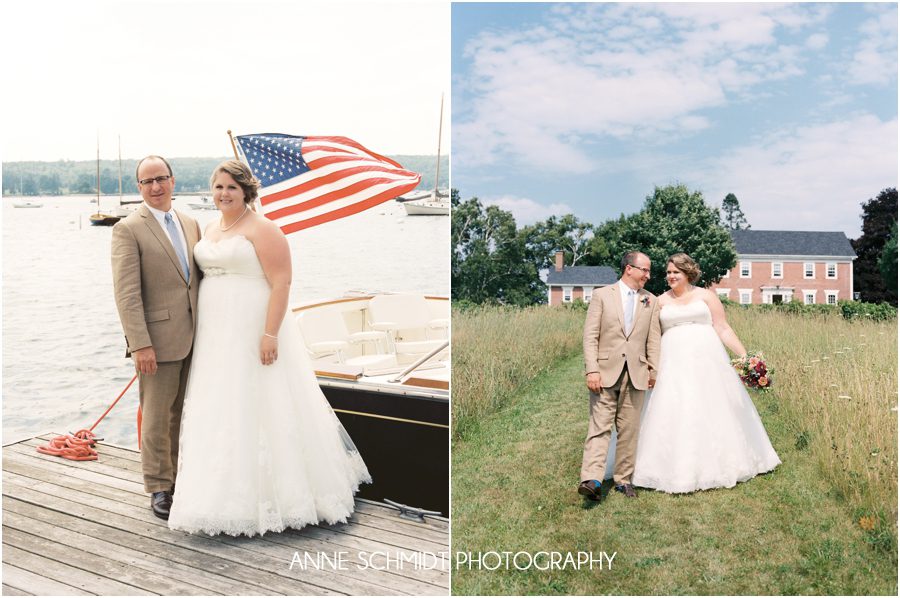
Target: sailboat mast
(120, 170)
(437, 169)
(98, 172)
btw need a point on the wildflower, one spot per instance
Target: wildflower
(867, 523)
(844, 397)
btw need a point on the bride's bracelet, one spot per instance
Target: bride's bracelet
(270, 335)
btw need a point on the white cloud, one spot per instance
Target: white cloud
(527, 211)
(875, 59)
(616, 70)
(801, 171)
(817, 41)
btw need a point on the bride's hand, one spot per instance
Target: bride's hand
(268, 349)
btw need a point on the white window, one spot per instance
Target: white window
(777, 270)
(831, 270)
(809, 270)
(567, 294)
(746, 296)
(809, 296)
(587, 293)
(831, 297)
(723, 293)
(745, 270)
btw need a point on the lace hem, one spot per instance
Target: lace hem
(677, 487)
(331, 509)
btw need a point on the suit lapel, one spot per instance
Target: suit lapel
(617, 301)
(162, 237)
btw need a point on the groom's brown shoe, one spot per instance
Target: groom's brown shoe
(627, 490)
(590, 489)
(161, 502)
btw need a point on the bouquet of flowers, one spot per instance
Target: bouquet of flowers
(753, 371)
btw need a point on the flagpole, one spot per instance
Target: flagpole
(233, 148)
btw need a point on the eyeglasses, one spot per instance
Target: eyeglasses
(644, 270)
(158, 179)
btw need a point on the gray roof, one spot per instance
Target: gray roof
(790, 242)
(582, 275)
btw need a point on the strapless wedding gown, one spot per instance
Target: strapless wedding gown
(260, 448)
(699, 427)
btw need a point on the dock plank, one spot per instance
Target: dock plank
(99, 509)
(15, 579)
(52, 569)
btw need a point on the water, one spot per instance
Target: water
(63, 347)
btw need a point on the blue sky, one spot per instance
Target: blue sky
(584, 108)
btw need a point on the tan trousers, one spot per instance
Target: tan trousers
(620, 404)
(161, 398)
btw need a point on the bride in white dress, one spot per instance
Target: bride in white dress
(699, 427)
(260, 448)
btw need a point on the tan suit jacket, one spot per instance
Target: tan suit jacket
(157, 306)
(606, 348)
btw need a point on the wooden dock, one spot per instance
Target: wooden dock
(84, 528)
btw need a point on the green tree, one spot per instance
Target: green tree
(732, 215)
(879, 217)
(888, 262)
(567, 234)
(488, 261)
(675, 220)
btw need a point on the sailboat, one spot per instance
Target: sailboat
(434, 202)
(108, 219)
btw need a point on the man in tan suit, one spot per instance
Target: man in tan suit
(156, 282)
(621, 353)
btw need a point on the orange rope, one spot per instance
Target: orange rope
(79, 446)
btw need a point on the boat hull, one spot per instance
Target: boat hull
(404, 441)
(414, 208)
(104, 219)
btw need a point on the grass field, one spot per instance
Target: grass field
(824, 522)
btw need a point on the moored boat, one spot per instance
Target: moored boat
(27, 204)
(434, 204)
(204, 204)
(362, 347)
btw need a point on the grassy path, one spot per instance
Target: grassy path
(514, 480)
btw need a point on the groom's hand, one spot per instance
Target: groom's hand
(593, 382)
(144, 360)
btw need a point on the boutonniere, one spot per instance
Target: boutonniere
(645, 300)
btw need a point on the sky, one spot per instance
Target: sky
(171, 77)
(585, 108)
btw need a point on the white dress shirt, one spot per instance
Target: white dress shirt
(161, 218)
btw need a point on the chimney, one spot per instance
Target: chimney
(559, 261)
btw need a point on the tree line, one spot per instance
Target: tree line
(494, 261)
(67, 177)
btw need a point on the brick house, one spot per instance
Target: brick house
(779, 266)
(566, 284)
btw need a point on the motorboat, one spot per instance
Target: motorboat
(382, 361)
(27, 204)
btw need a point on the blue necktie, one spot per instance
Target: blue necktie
(629, 311)
(176, 243)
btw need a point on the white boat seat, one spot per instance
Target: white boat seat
(325, 332)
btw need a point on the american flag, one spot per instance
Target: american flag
(311, 180)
